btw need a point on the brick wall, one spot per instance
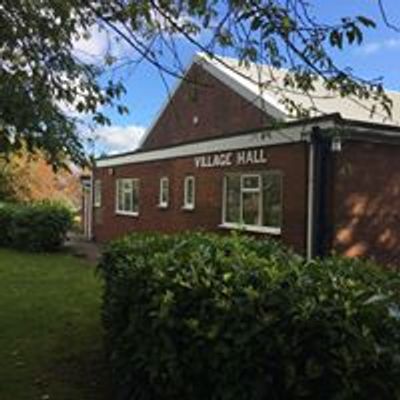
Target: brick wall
(218, 109)
(366, 201)
(291, 159)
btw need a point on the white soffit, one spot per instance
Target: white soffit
(263, 138)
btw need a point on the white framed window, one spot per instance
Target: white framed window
(163, 200)
(253, 202)
(189, 193)
(127, 197)
(97, 193)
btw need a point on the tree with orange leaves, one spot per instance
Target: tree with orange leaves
(25, 177)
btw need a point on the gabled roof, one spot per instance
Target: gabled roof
(263, 86)
(268, 83)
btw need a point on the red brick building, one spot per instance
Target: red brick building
(223, 155)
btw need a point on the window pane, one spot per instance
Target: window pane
(97, 193)
(189, 192)
(272, 200)
(251, 182)
(251, 208)
(127, 201)
(164, 191)
(120, 205)
(232, 199)
(127, 185)
(135, 196)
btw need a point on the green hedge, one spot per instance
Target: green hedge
(7, 212)
(199, 316)
(38, 227)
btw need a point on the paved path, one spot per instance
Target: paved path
(81, 247)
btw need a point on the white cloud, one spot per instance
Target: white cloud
(393, 43)
(168, 24)
(91, 44)
(375, 47)
(116, 138)
(370, 48)
(97, 42)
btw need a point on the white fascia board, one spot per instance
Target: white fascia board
(388, 133)
(266, 137)
(244, 87)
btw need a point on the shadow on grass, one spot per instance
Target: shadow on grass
(86, 373)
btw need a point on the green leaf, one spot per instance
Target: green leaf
(369, 23)
(255, 23)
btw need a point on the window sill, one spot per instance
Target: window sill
(163, 206)
(127, 213)
(252, 228)
(97, 205)
(188, 208)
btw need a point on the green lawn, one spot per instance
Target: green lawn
(50, 331)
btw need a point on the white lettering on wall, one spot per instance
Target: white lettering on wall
(250, 157)
(214, 160)
(243, 157)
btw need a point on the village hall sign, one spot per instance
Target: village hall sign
(230, 158)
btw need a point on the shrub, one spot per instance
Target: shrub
(39, 226)
(200, 316)
(7, 212)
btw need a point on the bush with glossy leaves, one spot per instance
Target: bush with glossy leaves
(201, 316)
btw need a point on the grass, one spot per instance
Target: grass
(50, 330)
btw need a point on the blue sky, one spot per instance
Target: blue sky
(378, 56)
